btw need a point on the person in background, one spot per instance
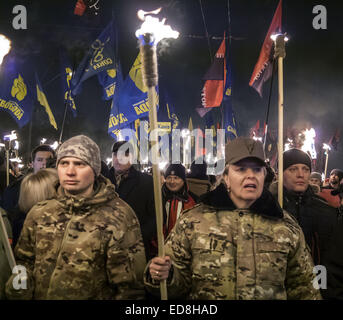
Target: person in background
(336, 176)
(40, 157)
(136, 189)
(176, 195)
(34, 188)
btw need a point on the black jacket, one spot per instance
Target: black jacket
(138, 191)
(10, 196)
(316, 218)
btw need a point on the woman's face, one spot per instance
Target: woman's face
(245, 181)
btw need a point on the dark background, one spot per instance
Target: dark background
(313, 78)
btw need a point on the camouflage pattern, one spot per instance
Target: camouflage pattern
(83, 148)
(218, 254)
(82, 248)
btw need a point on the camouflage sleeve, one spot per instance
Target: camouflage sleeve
(178, 248)
(25, 256)
(299, 276)
(126, 261)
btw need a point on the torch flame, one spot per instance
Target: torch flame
(5, 47)
(309, 145)
(154, 26)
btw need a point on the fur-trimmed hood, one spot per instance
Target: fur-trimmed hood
(266, 205)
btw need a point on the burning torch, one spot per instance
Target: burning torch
(327, 148)
(280, 54)
(150, 33)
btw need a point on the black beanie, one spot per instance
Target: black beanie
(338, 173)
(176, 170)
(295, 156)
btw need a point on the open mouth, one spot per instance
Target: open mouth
(250, 186)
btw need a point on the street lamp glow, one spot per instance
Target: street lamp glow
(5, 47)
(154, 26)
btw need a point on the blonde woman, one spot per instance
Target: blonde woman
(34, 188)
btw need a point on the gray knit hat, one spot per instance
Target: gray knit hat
(83, 148)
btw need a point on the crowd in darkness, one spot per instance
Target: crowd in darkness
(84, 230)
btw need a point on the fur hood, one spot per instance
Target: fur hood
(266, 205)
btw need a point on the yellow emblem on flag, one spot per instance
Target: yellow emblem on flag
(19, 89)
(136, 74)
(112, 73)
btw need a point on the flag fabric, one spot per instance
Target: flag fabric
(263, 68)
(334, 140)
(213, 90)
(16, 94)
(67, 74)
(80, 8)
(202, 111)
(229, 123)
(109, 79)
(99, 57)
(255, 129)
(130, 100)
(41, 97)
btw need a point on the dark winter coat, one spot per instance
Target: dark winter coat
(138, 191)
(10, 196)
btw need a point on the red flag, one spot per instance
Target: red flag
(213, 90)
(80, 8)
(263, 68)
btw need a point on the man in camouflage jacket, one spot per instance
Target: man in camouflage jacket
(239, 243)
(86, 243)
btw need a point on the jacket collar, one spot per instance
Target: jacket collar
(266, 205)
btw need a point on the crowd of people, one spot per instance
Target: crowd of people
(83, 230)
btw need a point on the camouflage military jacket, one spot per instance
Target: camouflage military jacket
(220, 252)
(81, 248)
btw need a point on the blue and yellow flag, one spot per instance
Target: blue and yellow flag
(41, 97)
(110, 79)
(99, 57)
(15, 94)
(67, 74)
(130, 101)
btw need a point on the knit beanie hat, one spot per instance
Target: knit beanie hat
(83, 148)
(338, 173)
(176, 170)
(316, 175)
(295, 156)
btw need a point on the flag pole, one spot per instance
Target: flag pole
(150, 78)
(6, 243)
(280, 54)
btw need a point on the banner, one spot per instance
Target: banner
(130, 100)
(264, 66)
(99, 57)
(16, 94)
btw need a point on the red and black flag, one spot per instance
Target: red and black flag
(264, 66)
(213, 90)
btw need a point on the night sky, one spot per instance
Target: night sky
(313, 78)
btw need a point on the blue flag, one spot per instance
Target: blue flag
(41, 97)
(229, 117)
(16, 94)
(99, 57)
(130, 101)
(67, 74)
(109, 80)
